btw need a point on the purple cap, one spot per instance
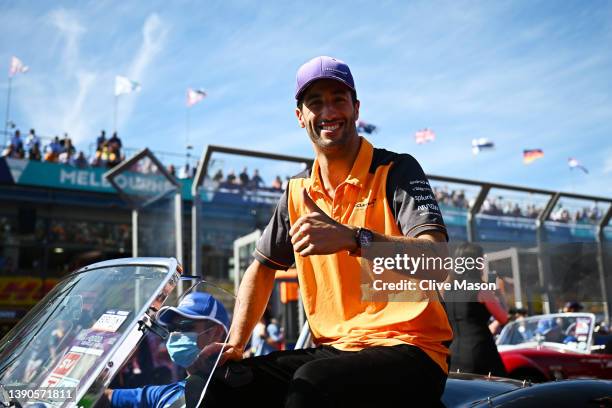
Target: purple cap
(322, 68)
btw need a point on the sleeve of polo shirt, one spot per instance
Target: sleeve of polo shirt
(411, 198)
(274, 248)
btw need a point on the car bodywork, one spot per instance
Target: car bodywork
(554, 347)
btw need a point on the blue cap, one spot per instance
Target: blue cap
(196, 306)
(322, 68)
(545, 326)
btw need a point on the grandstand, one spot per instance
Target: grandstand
(55, 218)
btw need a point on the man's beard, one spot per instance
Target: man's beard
(349, 130)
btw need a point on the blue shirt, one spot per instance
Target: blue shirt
(258, 343)
(151, 396)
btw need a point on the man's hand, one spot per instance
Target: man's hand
(208, 355)
(317, 234)
(231, 353)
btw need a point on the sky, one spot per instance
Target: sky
(525, 74)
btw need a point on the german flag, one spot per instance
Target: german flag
(531, 155)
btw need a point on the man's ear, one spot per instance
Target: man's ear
(357, 104)
(300, 117)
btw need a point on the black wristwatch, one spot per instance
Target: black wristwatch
(364, 238)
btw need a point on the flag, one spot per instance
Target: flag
(575, 164)
(194, 96)
(124, 85)
(424, 136)
(529, 155)
(364, 127)
(17, 67)
(481, 144)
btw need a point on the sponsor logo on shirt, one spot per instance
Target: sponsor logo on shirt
(428, 206)
(365, 204)
(428, 190)
(423, 197)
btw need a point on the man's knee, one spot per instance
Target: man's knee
(313, 372)
(310, 386)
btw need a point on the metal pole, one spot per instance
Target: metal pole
(115, 113)
(178, 221)
(187, 126)
(606, 285)
(471, 216)
(178, 224)
(135, 233)
(516, 276)
(236, 266)
(543, 256)
(8, 109)
(196, 262)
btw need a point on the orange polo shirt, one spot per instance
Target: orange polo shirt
(385, 192)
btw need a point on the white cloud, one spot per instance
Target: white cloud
(69, 26)
(154, 33)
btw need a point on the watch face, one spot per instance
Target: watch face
(365, 237)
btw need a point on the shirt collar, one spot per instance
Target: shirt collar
(358, 174)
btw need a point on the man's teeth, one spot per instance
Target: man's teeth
(330, 127)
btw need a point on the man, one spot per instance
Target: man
(256, 180)
(33, 141)
(244, 177)
(115, 139)
(369, 353)
(100, 140)
(572, 307)
(199, 320)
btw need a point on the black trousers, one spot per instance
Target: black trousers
(400, 375)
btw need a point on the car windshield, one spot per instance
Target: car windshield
(571, 331)
(65, 338)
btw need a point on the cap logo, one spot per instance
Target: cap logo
(335, 70)
(187, 302)
(213, 312)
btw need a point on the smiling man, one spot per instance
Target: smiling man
(368, 353)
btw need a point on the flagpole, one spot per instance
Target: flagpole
(8, 109)
(115, 113)
(187, 126)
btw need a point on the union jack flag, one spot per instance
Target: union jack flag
(424, 136)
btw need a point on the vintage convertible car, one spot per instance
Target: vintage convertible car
(556, 346)
(67, 350)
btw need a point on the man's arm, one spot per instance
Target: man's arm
(318, 234)
(253, 296)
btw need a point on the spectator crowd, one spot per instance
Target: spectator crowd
(500, 206)
(56, 150)
(108, 154)
(243, 181)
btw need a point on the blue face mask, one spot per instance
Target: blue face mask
(183, 348)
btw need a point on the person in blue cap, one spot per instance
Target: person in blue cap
(199, 319)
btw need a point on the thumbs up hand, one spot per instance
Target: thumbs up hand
(316, 233)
